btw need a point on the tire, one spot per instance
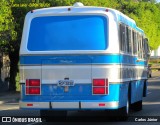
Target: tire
(137, 106)
(43, 114)
(122, 113)
(145, 89)
(51, 115)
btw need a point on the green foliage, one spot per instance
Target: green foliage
(11, 22)
(7, 25)
(147, 18)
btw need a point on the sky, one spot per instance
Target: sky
(158, 0)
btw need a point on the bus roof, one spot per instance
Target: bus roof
(127, 20)
(79, 7)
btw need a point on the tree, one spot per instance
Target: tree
(11, 24)
(7, 32)
(19, 11)
(7, 27)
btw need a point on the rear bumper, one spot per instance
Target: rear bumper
(69, 105)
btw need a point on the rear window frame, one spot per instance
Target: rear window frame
(106, 33)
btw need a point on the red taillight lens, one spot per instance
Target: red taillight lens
(32, 82)
(33, 86)
(100, 86)
(98, 90)
(33, 90)
(98, 82)
(29, 104)
(102, 104)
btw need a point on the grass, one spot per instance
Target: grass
(154, 61)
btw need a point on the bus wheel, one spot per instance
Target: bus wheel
(51, 115)
(150, 76)
(137, 106)
(44, 114)
(123, 112)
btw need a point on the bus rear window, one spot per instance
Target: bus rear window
(68, 33)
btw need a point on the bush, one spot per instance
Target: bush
(17, 82)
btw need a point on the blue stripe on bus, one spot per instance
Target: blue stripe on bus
(79, 92)
(80, 59)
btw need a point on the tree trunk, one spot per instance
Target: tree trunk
(14, 58)
(0, 75)
(1, 64)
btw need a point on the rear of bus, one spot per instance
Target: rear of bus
(64, 64)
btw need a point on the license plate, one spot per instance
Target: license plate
(65, 83)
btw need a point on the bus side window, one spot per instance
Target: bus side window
(122, 37)
(142, 48)
(126, 40)
(129, 41)
(139, 45)
(134, 39)
(146, 48)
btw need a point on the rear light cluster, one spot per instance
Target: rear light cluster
(33, 87)
(100, 86)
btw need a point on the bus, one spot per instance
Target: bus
(82, 58)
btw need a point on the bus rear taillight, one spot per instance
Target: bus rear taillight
(100, 86)
(98, 90)
(33, 82)
(33, 87)
(98, 82)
